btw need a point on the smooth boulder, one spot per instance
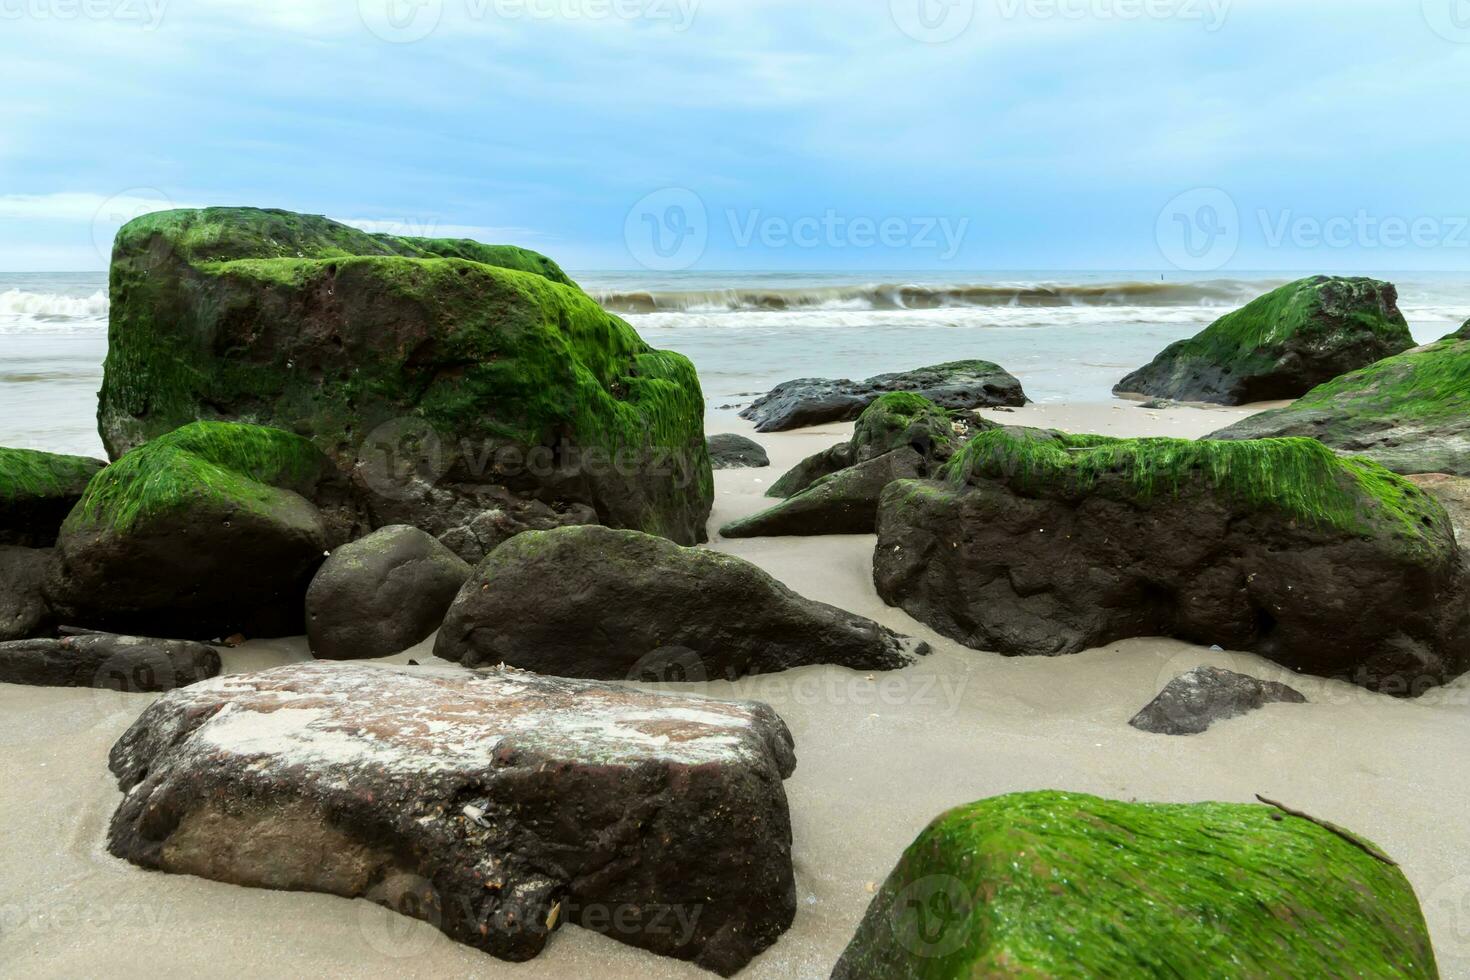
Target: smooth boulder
(1280, 345)
(1411, 412)
(381, 594)
(37, 491)
(205, 532)
(24, 609)
(1192, 702)
(728, 451)
(496, 806)
(1041, 543)
(597, 603)
(421, 367)
(131, 664)
(1066, 885)
(814, 401)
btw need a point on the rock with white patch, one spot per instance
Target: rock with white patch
(494, 805)
(598, 603)
(134, 664)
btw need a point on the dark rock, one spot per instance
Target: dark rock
(1410, 413)
(1192, 702)
(729, 451)
(592, 602)
(37, 491)
(814, 401)
(900, 436)
(495, 806)
(1281, 345)
(202, 533)
(102, 660)
(1067, 885)
(406, 361)
(844, 503)
(24, 611)
(381, 595)
(1048, 544)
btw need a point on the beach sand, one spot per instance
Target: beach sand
(879, 756)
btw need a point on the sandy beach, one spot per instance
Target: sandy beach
(879, 756)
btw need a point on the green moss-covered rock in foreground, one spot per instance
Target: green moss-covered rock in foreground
(423, 367)
(1280, 345)
(37, 491)
(1043, 544)
(201, 533)
(1066, 885)
(1410, 413)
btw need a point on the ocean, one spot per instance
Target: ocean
(1068, 336)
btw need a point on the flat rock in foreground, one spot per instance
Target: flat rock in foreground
(814, 401)
(132, 664)
(1067, 885)
(1192, 702)
(597, 603)
(494, 805)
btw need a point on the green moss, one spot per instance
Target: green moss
(885, 424)
(1299, 477)
(28, 473)
(1320, 311)
(205, 461)
(1420, 385)
(1066, 885)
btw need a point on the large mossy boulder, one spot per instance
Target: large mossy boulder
(1281, 345)
(450, 378)
(613, 605)
(1066, 885)
(1411, 412)
(900, 436)
(957, 385)
(1042, 543)
(204, 532)
(37, 491)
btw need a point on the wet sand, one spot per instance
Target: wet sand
(879, 756)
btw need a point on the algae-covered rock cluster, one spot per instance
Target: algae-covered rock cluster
(448, 377)
(1280, 345)
(900, 436)
(1410, 412)
(1043, 543)
(1066, 885)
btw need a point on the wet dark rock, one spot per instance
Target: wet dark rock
(1192, 702)
(24, 611)
(37, 491)
(103, 660)
(729, 451)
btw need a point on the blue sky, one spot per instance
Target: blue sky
(756, 134)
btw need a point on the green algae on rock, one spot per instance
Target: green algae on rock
(206, 531)
(1280, 345)
(1411, 413)
(1044, 544)
(37, 491)
(505, 372)
(1053, 884)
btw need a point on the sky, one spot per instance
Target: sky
(1194, 136)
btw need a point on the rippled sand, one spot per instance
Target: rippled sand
(877, 760)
